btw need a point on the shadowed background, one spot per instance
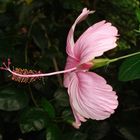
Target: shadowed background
(33, 34)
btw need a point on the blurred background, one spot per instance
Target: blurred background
(33, 35)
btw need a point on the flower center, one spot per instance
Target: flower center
(86, 66)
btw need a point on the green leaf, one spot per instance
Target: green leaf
(130, 69)
(138, 14)
(61, 97)
(123, 45)
(53, 132)
(68, 116)
(33, 119)
(12, 99)
(47, 106)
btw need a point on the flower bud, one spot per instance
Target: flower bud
(100, 62)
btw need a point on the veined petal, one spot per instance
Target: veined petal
(96, 40)
(71, 63)
(67, 79)
(70, 38)
(91, 97)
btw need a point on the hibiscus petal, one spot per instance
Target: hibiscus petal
(91, 97)
(70, 38)
(96, 40)
(71, 63)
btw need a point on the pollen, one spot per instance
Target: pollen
(25, 72)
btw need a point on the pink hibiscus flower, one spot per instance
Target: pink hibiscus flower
(90, 96)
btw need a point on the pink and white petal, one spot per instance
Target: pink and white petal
(70, 38)
(78, 118)
(96, 40)
(70, 63)
(91, 97)
(67, 78)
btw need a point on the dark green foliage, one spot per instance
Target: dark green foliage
(33, 34)
(48, 108)
(33, 119)
(130, 69)
(53, 132)
(12, 98)
(123, 16)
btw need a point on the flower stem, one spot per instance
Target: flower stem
(100, 62)
(123, 57)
